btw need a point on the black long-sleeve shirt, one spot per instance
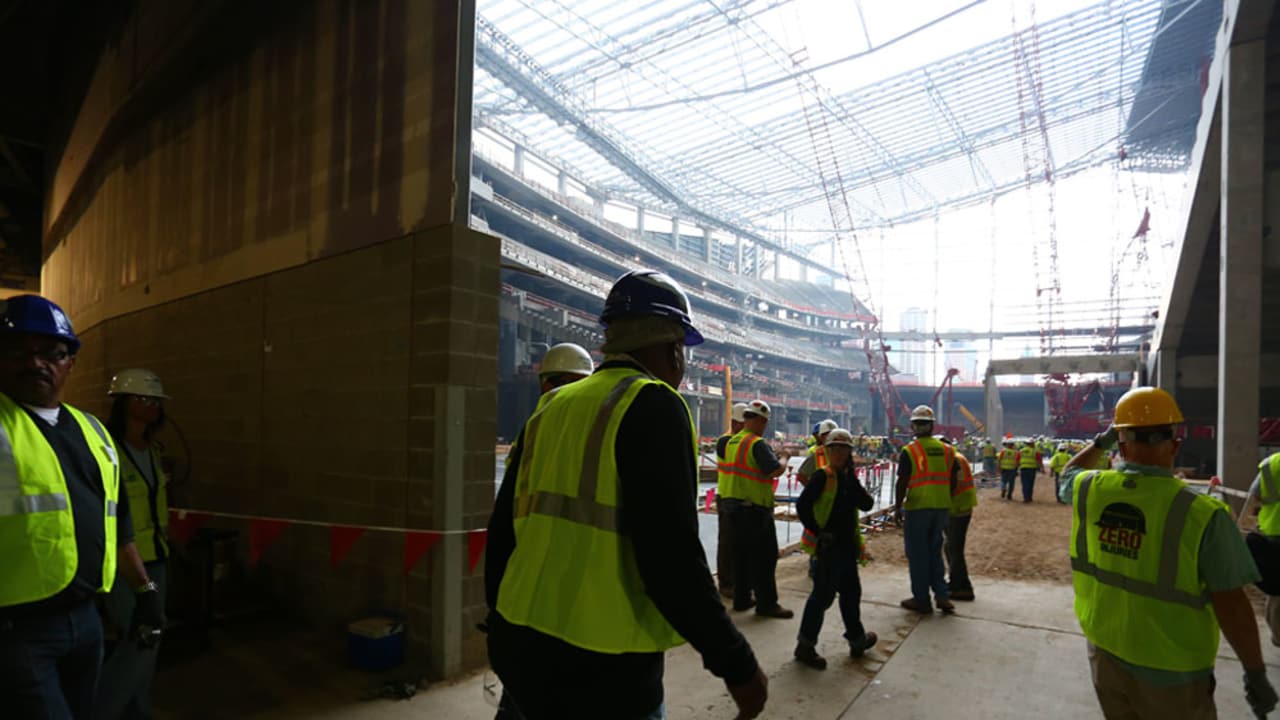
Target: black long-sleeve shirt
(658, 483)
(850, 498)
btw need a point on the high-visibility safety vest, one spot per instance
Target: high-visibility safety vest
(988, 451)
(37, 526)
(819, 454)
(822, 513)
(1269, 489)
(1059, 461)
(150, 521)
(573, 574)
(1008, 459)
(1135, 557)
(930, 483)
(741, 476)
(965, 497)
(1027, 458)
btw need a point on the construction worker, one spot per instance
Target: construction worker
(724, 539)
(752, 467)
(964, 498)
(1264, 494)
(563, 364)
(816, 459)
(64, 527)
(927, 475)
(1158, 570)
(828, 507)
(555, 532)
(137, 414)
(1028, 466)
(1008, 469)
(1056, 464)
(988, 458)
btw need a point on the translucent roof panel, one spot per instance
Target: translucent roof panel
(741, 113)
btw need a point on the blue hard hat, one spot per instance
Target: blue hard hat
(650, 293)
(37, 316)
(816, 427)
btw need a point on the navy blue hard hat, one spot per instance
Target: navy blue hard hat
(650, 293)
(816, 427)
(35, 315)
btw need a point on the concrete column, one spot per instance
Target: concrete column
(804, 272)
(759, 262)
(597, 204)
(737, 248)
(640, 220)
(562, 183)
(675, 232)
(1167, 372)
(1240, 269)
(706, 244)
(517, 162)
(777, 266)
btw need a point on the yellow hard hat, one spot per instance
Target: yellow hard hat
(1145, 407)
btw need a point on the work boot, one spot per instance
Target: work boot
(777, 611)
(966, 595)
(945, 605)
(743, 607)
(806, 655)
(914, 606)
(868, 641)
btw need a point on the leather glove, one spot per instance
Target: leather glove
(1258, 691)
(826, 541)
(148, 617)
(1107, 440)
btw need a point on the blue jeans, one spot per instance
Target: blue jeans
(836, 571)
(1007, 479)
(125, 687)
(922, 532)
(1028, 482)
(49, 663)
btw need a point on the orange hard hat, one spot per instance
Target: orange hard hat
(1145, 407)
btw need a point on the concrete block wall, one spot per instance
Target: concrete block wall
(280, 239)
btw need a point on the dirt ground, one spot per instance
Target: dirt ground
(1007, 538)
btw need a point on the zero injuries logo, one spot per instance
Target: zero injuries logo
(1121, 529)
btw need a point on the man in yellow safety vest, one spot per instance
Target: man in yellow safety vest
(748, 498)
(1158, 570)
(1028, 466)
(594, 568)
(563, 364)
(1264, 494)
(64, 524)
(1008, 469)
(1056, 465)
(828, 507)
(989, 468)
(724, 531)
(927, 475)
(964, 498)
(816, 458)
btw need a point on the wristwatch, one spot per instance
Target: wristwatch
(148, 586)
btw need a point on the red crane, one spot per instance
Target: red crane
(1068, 403)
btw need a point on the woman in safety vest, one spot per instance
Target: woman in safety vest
(137, 414)
(828, 507)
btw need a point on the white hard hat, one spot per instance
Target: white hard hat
(566, 358)
(136, 381)
(839, 436)
(826, 426)
(759, 407)
(739, 409)
(922, 413)
(1062, 446)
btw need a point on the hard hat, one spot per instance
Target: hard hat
(922, 413)
(1062, 447)
(839, 436)
(653, 294)
(759, 407)
(826, 426)
(1145, 407)
(37, 316)
(566, 358)
(738, 412)
(137, 381)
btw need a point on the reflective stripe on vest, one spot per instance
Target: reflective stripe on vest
(1147, 609)
(1269, 515)
(820, 458)
(930, 484)
(748, 482)
(573, 572)
(965, 497)
(37, 527)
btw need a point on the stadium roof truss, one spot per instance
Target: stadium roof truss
(692, 107)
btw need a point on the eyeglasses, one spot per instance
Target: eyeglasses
(53, 356)
(146, 400)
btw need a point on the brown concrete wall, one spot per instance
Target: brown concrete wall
(276, 237)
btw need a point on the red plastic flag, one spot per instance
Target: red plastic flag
(475, 546)
(183, 526)
(341, 538)
(417, 544)
(263, 532)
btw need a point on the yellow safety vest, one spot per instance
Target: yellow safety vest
(573, 574)
(150, 528)
(930, 483)
(745, 480)
(1269, 515)
(822, 513)
(965, 497)
(1027, 458)
(819, 454)
(1008, 459)
(988, 451)
(1059, 461)
(1135, 558)
(37, 526)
